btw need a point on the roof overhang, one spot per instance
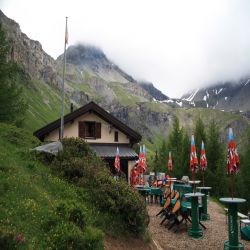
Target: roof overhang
(109, 151)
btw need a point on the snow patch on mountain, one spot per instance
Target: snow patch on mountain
(247, 82)
(179, 103)
(191, 97)
(217, 93)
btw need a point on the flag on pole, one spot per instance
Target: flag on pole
(233, 160)
(63, 79)
(193, 157)
(117, 160)
(66, 32)
(170, 163)
(203, 159)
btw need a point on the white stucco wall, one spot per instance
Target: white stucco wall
(71, 130)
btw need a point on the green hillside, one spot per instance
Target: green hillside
(47, 205)
(44, 104)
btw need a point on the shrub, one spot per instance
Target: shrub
(66, 235)
(9, 240)
(75, 147)
(74, 212)
(110, 196)
(93, 239)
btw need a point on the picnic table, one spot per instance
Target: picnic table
(195, 231)
(204, 216)
(233, 242)
(193, 184)
(183, 188)
(146, 191)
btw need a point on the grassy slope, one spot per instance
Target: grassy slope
(44, 105)
(28, 189)
(30, 193)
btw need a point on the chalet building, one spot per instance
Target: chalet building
(101, 130)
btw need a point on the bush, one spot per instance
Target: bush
(75, 147)
(110, 196)
(9, 240)
(93, 239)
(74, 212)
(66, 235)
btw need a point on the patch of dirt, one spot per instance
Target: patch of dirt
(164, 239)
(112, 243)
(214, 236)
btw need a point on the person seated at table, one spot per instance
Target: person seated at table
(150, 180)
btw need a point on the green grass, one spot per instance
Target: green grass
(31, 192)
(28, 189)
(44, 105)
(124, 97)
(157, 107)
(82, 87)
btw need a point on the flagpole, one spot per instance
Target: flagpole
(63, 94)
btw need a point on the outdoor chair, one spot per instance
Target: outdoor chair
(172, 194)
(165, 206)
(170, 210)
(174, 214)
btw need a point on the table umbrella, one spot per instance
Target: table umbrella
(233, 160)
(117, 160)
(142, 166)
(142, 159)
(170, 163)
(203, 160)
(193, 158)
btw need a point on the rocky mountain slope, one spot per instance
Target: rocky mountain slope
(153, 91)
(223, 96)
(90, 75)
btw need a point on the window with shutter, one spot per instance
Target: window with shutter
(116, 136)
(98, 133)
(81, 129)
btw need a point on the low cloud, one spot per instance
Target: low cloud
(177, 45)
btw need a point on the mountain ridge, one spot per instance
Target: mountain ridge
(100, 80)
(226, 96)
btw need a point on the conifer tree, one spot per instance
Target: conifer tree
(175, 140)
(185, 155)
(199, 135)
(216, 158)
(163, 157)
(244, 176)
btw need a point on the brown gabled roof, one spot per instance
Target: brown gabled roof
(92, 106)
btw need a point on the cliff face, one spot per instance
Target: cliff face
(28, 53)
(90, 75)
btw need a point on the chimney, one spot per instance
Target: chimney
(71, 107)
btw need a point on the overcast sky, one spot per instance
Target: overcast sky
(177, 45)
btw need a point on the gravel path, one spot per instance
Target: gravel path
(214, 236)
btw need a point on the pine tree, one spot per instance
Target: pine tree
(199, 135)
(215, 175)
(163, 157)
(244, 176)
(185, 155)
(175, 140)
(12, 104)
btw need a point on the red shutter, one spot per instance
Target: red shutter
(81, 130)
(98, 133)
